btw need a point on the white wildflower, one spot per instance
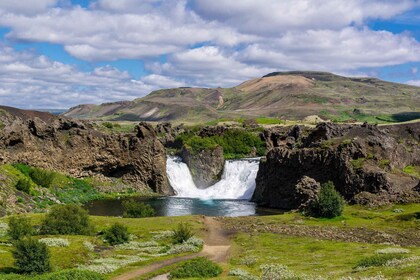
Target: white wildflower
(89, 246)
(3, 229)
(393, 250)
(134, 245)
(55, 242)
(158, 235)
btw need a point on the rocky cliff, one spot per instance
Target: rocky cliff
(75, 148)
(365, 162)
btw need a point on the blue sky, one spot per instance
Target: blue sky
(61, 53)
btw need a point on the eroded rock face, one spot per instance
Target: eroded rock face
(76, 149)
(206, 166)
(362, 161)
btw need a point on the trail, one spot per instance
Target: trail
(216, 248)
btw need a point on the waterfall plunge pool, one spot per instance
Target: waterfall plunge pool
(228, 197)
(178, 206)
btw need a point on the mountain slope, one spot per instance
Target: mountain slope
(288, 95)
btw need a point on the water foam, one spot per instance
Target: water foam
(237, 182)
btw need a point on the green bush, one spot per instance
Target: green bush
(198, 267)
(31, 256)
(378, 260)
(23, 185)
(42, 177)
(71, 274)
(329, 203)
(182, 233)
(23, 168)
(116, 234)
(236, 143)
(134, 209)
(67, 219)
(19, 226)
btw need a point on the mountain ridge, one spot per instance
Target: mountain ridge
(290, 95)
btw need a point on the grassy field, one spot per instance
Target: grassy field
(308, 247)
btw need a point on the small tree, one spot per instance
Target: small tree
(117, 234)
(329, 203)
(23, 185)
(19, 226)
(67, 219)
(31, 256)
(134, 209)
(182, 233)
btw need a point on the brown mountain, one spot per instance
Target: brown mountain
(286, 95)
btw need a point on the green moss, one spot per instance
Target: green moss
(358, 163)
(384, 163)
(412, 170)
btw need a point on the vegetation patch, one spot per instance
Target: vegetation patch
(67, 219)
(198, 267)
(182, 233)
(358, 163)
(378, 260)
(236, 143)
(135, 209)
(412, 170)
(328, 204)
(19, 227)
(116, 234)
(31, 256)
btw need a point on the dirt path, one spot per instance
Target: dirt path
(216, 248)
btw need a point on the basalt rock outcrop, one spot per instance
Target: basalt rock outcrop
(75, 148)
(365, 163)
(206, 166)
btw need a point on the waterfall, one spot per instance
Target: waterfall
(237, 182)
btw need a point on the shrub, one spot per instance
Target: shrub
(134, 209)
(72, 274)
(198, 267)
(31, 256)
(67, 219)
(377, 260)
(19, 226)
(108, 125)
(23, 185)
(117, 234)
(182, 233)
(41, 177)
(329, 203)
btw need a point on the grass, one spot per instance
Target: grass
(302, 255)
(310, 256)
(412, 170)
(78, 254)
(358, 163)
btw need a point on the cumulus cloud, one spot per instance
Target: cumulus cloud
(274, 17)
(349, 48)
(191, 43)
(208, 66)
(103, 35)
(32, 81)
(26, 7)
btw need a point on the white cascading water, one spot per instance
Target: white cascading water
(237, 182)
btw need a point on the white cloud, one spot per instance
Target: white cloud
(275, 17)
(27, 7)
(349, 48)
(414, 83)
(208, 66)
(103, 35)
(28, 80)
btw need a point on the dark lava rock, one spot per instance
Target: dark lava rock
(74, 148)
(359, 159)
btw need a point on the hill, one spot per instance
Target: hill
(281, 95)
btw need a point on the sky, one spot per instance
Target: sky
(61, 53)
